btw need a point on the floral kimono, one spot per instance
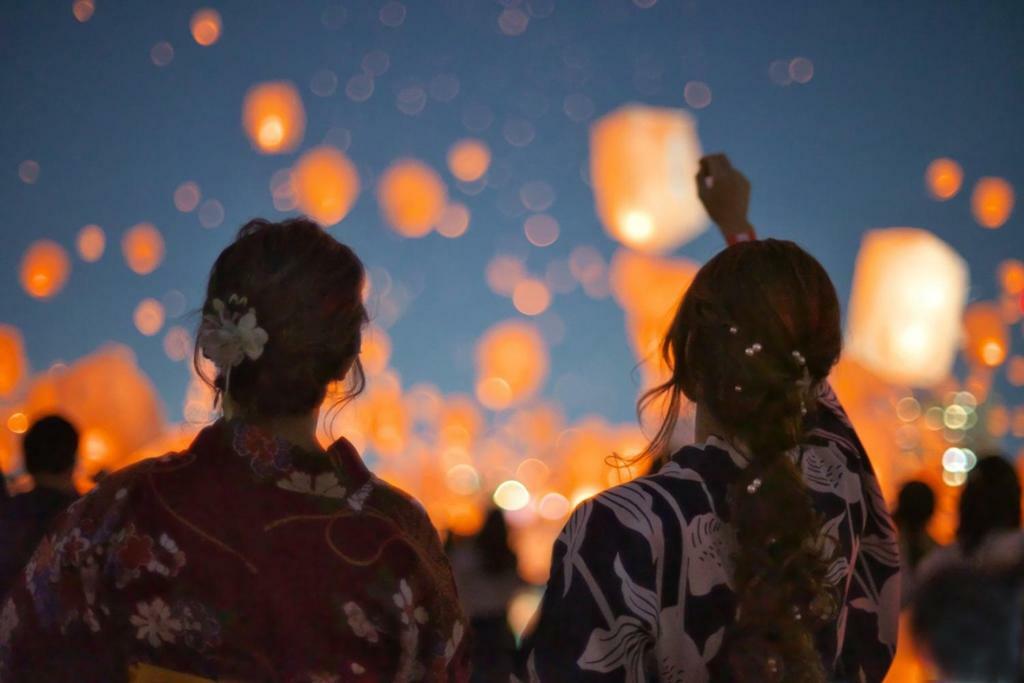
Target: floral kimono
(641, 578)
(243, 558)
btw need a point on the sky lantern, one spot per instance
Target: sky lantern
(13, 364)
(986, 338)
(649, 289)
(273, 117)
(908, 296)
(992, 202)
(642, 164)
(376, 350)
(325, 183)
(412, 197)
(206, 26)
(45, 268)
(943, 178)
(91, 243)
(468, 159)
(512, 364)
(143, 248)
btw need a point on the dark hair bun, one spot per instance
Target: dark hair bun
(306, 290)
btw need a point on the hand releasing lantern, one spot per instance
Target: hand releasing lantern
(906, 305)
(642, 164)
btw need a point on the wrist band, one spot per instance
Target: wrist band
(747, 235)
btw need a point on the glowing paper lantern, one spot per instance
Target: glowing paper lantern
(512, 363)
(206, 26)
(143, 248)
(642, 164)
(273, 117)
(412, 197)
(325, 184)
(13, 364)
(992, 202)
(92, 242)
(987, 340)
(469, 159)
(943, 178)
(45, 269)
(908, 296)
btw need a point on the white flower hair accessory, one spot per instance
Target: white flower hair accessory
(230, 334)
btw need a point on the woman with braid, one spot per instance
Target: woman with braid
(764, 552)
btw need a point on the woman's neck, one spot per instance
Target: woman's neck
(299, 430)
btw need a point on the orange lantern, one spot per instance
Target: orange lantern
(325, 184)
(412, 197)
(908, 296)
(992, 202)
(943, 178)
(45, 269)
(273, 117)
(469, 159)
(206, 26)
(13, 364)
(91, 243)
(143, 248)
(512, 364)
(987, 340)
(642, 164)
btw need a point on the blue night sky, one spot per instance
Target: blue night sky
(895, 85)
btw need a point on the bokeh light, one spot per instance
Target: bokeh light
(162, 53)
(801, 70)
(511, 355)
(412, 197)
(1011, 276)
(454, 220)
(943, 178)
(206, 26)
(211, 214)
(187, 196)
(697, 94)
(468, 159)
(503, 273)
(642, 164)
(91, 243)
(274, 117)
(177, 343)
(148, 317)
(83, 10)
(541, 230)
(326, 184)
(143, 248)
(45, 269)
(28, 171)
(531, 297)
(511, 495)
(992, 202)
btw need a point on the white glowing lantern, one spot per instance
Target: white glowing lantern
(642, 165)
(906, 305)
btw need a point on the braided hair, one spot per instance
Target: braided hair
(756, 333)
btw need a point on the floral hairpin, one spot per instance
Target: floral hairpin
(230, 334)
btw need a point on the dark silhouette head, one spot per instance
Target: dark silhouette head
(50, 446)
(306, 291)
(967, 621)
(492, 543)
(755, 334)
(915, 506)
(990, 501)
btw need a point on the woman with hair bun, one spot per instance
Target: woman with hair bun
(254, 555)
(765, 551)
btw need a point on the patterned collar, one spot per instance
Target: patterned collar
(271, 457)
